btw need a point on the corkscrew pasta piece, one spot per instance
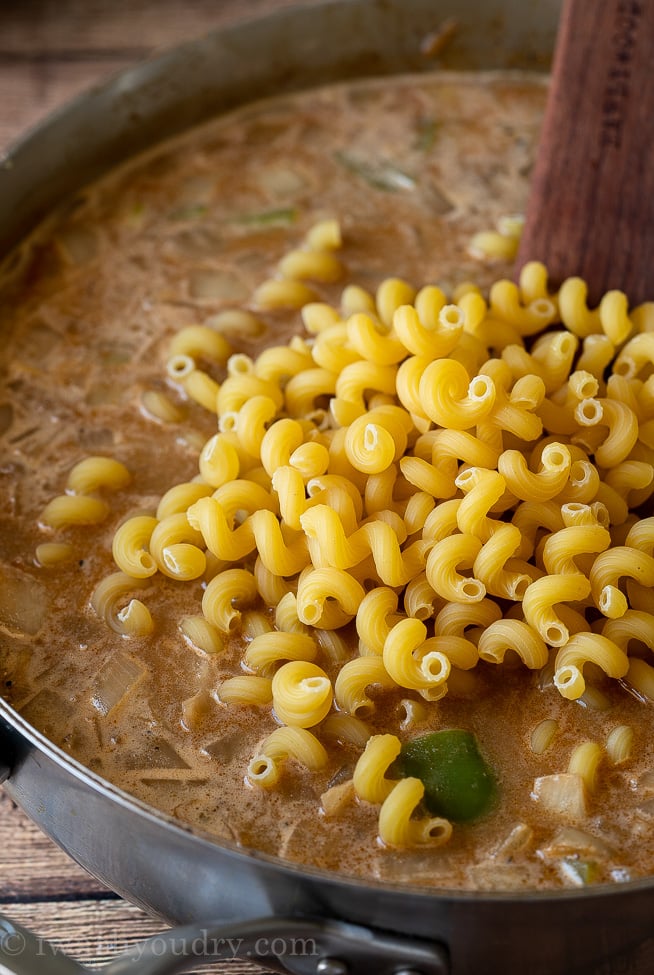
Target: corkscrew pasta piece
(496, 568)
(377, 439)
(247, 689)
(431, 332)
(585, 761)
(346, 729)
(70, 510)
(353, 681)
(542, 485)
(279, 294)
(302, 392)
(398, 828)
(201, 388)
(443, 561)
(219, 461)
(394, 565)
(640, 677)
(540, 601)
(134, 618)
(392, 294)
(180, 497)
(301, 693)
(375, 617)
(641, 535)
(583, 648)
(294, 744)
(515, 635)
(505, 303)
(450, 398)
(267, 649)
(427, 477)
(50, 554)
(370, 782)
(619, 744)
(130, 546)
(226, 594)
(456, 619)
(251, 422)
(260, 531)
(446, 448)
(373, 342)
(411, 663)
(286, 615)
(635, 355)
(202, 634)
(358, 377)
(200, 342)
(310, 265)
(635, 624)
(94, 473)
(609, 567)
(564, 546)
(420, 600)
(328, 597)
(482, 490)
(177, 548)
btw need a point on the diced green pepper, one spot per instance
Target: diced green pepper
(459, 785)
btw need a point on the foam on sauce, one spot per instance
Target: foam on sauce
(412, 168)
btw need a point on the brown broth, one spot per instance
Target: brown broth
(412, 168)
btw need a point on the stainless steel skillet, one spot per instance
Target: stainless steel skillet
(286, 916)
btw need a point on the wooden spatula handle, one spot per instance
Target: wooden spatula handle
(591, 207)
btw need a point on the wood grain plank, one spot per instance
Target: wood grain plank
(62, 26)
(95, 932)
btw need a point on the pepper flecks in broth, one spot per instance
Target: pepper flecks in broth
(185, 237)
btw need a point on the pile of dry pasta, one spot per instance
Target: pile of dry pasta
(455, 475)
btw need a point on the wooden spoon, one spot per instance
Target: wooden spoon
(591, 208)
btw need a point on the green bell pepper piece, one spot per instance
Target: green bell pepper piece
(459, 785)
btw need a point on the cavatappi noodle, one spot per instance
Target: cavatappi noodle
(348, 509)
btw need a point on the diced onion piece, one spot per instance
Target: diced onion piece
(115, 681)
(518, 840)
(23, 602)
(336, 799)
(570, 841)
(563, 794)
(195, 709)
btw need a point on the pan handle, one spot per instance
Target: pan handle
(300, 946)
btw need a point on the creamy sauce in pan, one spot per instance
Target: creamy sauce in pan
(412, 168)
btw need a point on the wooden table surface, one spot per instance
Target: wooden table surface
(49, 51)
